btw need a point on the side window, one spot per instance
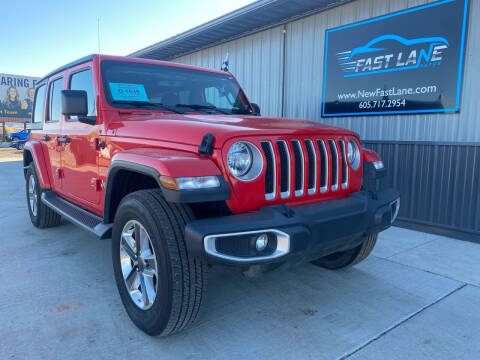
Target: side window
(55, 100)
(83, 81)
(39, 111)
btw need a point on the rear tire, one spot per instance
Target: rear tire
(350, 257)
(40, 214)
(177, 279)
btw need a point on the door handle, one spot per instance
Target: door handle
(45, 138)
(63, 139)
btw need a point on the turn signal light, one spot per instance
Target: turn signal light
(189, 183)
(169, 182)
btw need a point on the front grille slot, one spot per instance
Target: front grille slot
(270, 172)
(284, 168)
(344, 164)
(304, 167)
(323, 166)
(334, 153)
(312, 167)
(299, 171)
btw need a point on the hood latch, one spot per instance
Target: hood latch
(206, 145)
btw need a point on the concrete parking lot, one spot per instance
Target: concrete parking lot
(417, 297)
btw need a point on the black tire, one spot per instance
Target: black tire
(181, 279)
(41, 217)
(20, 147)
(350, 257)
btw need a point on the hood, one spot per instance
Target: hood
(189, 129)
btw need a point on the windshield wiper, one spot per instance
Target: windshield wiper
(142, 104)
(203, 107)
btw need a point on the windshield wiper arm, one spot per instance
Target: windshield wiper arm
(141, 104)
(203, 107)
(241, 111)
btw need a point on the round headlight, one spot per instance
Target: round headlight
(353, 154)
(244, 161)
(239, 159)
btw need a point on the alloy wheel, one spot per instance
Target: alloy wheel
(32, 195)
(139, 264)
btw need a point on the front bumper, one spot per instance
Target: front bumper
(300, 233)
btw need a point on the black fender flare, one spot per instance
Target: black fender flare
(174, 196)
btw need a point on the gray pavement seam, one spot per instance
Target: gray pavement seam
(415, 247)
(429, 271)
(397, 324)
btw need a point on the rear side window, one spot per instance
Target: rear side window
(83, 81)
(39, 110)
(55, 100)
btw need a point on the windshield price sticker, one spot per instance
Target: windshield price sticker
(128, 92)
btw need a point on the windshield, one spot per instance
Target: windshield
(130, 84)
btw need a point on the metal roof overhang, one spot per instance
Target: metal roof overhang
(260, 15)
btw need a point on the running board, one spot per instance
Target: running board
(77, 215)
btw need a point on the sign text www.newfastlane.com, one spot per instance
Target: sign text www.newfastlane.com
(383, 97)
(366, 94)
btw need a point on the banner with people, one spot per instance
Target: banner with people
(16, 95)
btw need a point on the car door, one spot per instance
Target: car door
(79, 158)
(52, 130)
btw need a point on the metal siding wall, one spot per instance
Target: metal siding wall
(438, 183)
(304, 78)
(257, 63)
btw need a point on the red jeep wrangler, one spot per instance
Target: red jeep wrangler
(176, 166)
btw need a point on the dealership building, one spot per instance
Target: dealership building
(403, 74)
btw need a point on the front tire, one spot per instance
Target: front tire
(150, 261)
(350, 257)
(40, 214)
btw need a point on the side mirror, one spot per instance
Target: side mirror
(75, 103)
(256, 108)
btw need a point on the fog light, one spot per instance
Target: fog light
(261, 242)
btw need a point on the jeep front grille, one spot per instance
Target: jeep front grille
(343, 150)
(285, 166)
(334, 162)
(304, 167)
(270, 172)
